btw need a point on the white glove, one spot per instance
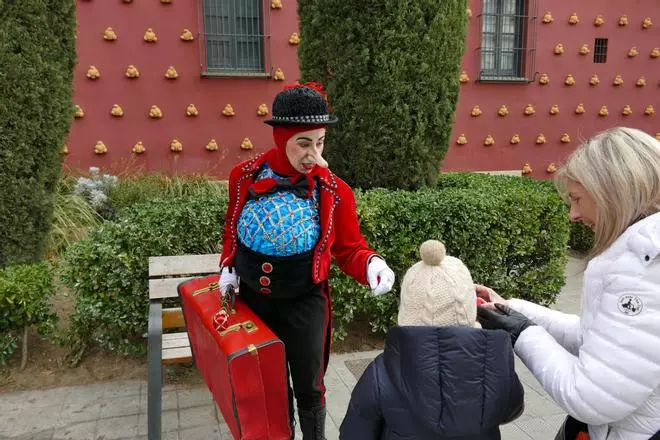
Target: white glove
(228, 278)
(380, 276)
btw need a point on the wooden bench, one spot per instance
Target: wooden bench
(165, 274)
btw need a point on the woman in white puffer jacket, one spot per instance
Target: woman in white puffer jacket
(602, 367)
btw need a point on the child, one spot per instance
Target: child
(441, 376)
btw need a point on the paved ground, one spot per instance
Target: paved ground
(117, 410)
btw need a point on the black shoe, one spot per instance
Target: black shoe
(312, 423)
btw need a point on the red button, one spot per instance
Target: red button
(264, 281)
(267, 267)
(265, 290)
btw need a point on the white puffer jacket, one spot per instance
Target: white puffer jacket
(603, 367)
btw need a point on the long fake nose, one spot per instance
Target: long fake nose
(318, 159)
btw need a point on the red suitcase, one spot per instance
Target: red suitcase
(241, 360)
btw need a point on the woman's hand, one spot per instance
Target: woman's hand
(489, 295)
(503, 318)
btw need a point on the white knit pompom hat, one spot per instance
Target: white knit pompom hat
(438, 291)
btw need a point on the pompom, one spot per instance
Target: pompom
(432, 252)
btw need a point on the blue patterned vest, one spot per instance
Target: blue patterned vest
(281, 224)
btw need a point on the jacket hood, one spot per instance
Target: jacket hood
(457, 381)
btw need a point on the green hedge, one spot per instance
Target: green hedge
(24, 294)
(37, 56)
(582, 238)
(391, 71)
(511, 232)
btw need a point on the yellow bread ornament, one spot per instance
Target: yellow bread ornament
(618, 80)
(641, 81)
(276, 4)
(503, 111)
(246, 144)
(627, 110)
(462, 140)
(547, 17)
(468, 11)
(109, 34)
(544, 79)
(463, 77)
(529, 110)
(228, 111)
(649, 111)
(657, 136)
(633, 52)
(150, 36)
(554, 110)
(570, 80)
(655, 52)
(294, 39)
(279, 75)
(540, 139)
(551, 168)
(171, 73)
(559, 49)
(155, 112)
(262, 110)
(623, 20)
(573, 19)
(191, 110)
(93, 73)
(64, 150)
(565, 138)
(78, 112)
(132, 72)
(489, 141)
(584, 49)
(117, 111)
(594, 81)
(166, 2)
(138, 148)
(599, 21)
(476, 111)
(100, 148)
(579, 109)
(176, 146)
(647, 23)
(187, 35)
(527, 169)
(212, 145)
(603, 111)
(515, 139)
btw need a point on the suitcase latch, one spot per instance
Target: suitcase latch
(247, 326)
(252, 349)
(211, 287)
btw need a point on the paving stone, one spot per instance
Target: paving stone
(194, 397)
(117, 427)
(197, 416)
(119, 406)
(169, 422)
(76, 431)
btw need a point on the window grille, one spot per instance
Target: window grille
(508, 39)
(235, 39)
(600, 50)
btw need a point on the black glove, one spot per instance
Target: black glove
(510, 320)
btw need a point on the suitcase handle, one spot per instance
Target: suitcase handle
(247, 326)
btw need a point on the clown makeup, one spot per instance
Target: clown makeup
(304, 150)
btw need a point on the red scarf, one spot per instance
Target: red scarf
(278, 161)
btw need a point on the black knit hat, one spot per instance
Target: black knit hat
(301, 105)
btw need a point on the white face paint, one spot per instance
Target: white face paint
(304, 150)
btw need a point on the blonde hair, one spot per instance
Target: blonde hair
(620, 169)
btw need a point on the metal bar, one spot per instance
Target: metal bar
(154, 368)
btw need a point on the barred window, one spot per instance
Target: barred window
(505, 34)
(234, 37)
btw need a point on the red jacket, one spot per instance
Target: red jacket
(340, 230)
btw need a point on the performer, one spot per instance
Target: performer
(288, 215)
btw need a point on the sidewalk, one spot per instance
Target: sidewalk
(117, 410)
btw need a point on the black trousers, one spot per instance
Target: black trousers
(303, 323)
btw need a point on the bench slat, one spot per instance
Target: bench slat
(165, 287)
(183, 265)
(175, 340)
(180, 355)
(173, 318)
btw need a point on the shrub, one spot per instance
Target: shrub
(37, 55)
(511, 232)
(95, 190)
(24, 294)
(109, 269)
(391, 71)
(582, 238)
